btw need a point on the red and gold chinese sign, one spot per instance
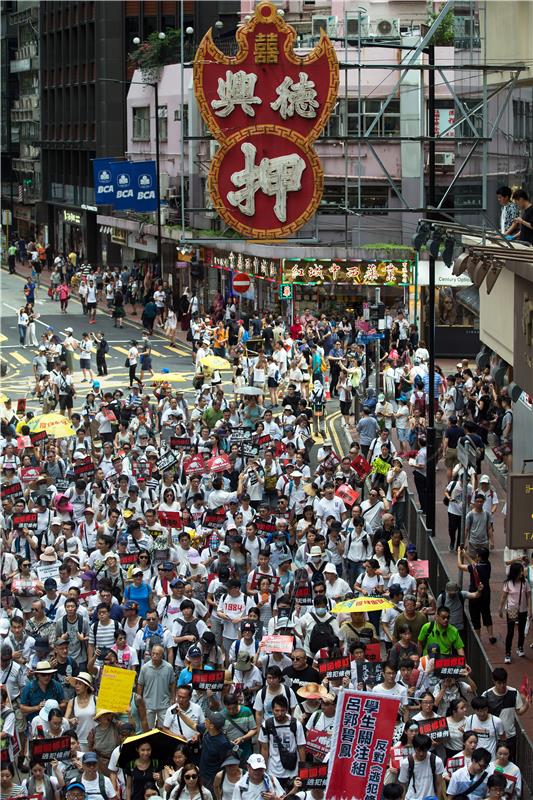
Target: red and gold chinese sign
(358, 272)
(266, 106)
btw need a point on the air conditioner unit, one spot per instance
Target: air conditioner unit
(318, 24)
(444, 159)
(387, 29)
(356, 25)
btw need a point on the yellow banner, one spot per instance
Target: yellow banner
(116, 687)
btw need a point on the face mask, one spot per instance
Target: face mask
(321, 612)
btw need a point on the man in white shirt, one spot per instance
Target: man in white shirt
(330, 505)
(172, 722)
(257, 784)
(336, 588)
(421, 774)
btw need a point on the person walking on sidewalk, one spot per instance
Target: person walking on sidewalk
(63, 292)
(516, 602)
(479, 530)
(92, 301)
(102, 349)
(22, 323)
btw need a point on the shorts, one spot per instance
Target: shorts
(345, 406)
(85, 363)
(272, 383)
(403, 434)
(450, 459)
(480, 610)
(91, 305)
(66, 402)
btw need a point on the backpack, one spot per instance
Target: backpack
(288, 759)
(187, 629)
(432, 764)
(282, 687)
(420, 403)
(64, 623)
(459, 402)
(322, 634)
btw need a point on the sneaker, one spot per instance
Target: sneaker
(492, 639)
(520, 653)
(451, 548)
(507, 660)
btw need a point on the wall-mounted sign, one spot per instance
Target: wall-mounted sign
(72, 217)
(360, 273)
(265, 107)
(119, 236)
(519, 523)
(265, 268)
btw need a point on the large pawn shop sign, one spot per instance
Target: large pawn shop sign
(265, 107)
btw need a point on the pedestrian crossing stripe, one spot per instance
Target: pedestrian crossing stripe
(20, 358)
(120, 349)
(3, 337)
(157, 353)
(180, 351)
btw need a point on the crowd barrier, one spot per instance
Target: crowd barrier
(477, 658)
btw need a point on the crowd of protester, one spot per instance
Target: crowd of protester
(137, 559)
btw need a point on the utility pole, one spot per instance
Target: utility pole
(158, 187)
(431, 473)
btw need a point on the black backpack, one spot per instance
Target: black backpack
(187, 629)
(322, 634)
(287, 758)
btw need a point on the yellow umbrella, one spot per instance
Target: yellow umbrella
(56, 425)
(167, 377)
(162, 744)
(215, 362)
(361, 604)
(3, 397)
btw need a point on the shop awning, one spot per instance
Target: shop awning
(469, 298)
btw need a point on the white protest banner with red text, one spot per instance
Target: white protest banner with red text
(277, 644)
(364, 727)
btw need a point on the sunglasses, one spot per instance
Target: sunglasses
(191, 776)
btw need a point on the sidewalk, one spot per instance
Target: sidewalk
(134, 319)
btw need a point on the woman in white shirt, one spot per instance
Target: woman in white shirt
(86, 349)
(22, 322)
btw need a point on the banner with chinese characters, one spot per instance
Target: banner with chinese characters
(356, 272)
(267, 269)
(364, 726)
(266, 106)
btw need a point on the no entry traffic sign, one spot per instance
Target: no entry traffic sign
(241, 282)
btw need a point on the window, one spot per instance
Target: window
(141, 123)
(344, 120)
(373, 198)
(466, 32)
(162, 113)
(476, 119)
(522, 120)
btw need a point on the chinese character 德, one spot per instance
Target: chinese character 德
(266, 48)
(236, 90)
(296, 98)
(273, 176)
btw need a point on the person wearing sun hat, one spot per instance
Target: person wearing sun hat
(43, 687)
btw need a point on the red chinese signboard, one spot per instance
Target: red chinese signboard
(265, 107)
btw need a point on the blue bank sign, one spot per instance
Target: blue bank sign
(125, 185)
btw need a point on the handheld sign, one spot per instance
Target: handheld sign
(49, 749)
(12, 490)
(208, 679)
(314, 777)
(116, 687)
(170, 519)
(39, 438)
(380, 466)
(361, 466)
(180, 441)
(27, 520)
(419, 569)
(29, 474)
(84, 468)
(334, 667)
(194, 464)
(167, 460)
(348, 495)
(369, 673)
(373, 651)
(317, 743)
(277, 644)
(452, 665)
(434, 728)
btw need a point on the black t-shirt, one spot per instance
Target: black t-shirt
(299, 677)
(453, 434)
(526, 234)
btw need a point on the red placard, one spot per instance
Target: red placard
(27, 520)
(265, 106)
(452, 665)
(373, 651)
(348, 495)
(128, 558)
(314, 777)
(29, 474)
(21, 406)
(317, 743)
(39, 437)
(361, 466)
(335, 667)
(170, 519)
(364, 727)
(219, 463)
(85, 467)
(208, 679)
(194, 464)
(419, 569)
(525, 687)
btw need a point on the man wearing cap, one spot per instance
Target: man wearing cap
(96, 785)
(42, 688)
(256, 783)
(454, 599)
(64, 388)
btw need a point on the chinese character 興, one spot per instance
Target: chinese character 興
(273, 176)
(236, 90)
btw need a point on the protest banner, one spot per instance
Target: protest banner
(47, 750)
(12, 490)
(240, 435)
(277, 644)
(167, 460)
(451, 665)
(263, 526)
(364, 726)
(45, 571)
(419, 569)
(313, 777)
(436, 728)
(180, 441)
(27, 520)
(39, 438)
(274, 581)
(373, 651)
(380, 467)
(330, 461)
(249, 450)
(116, 687)
(369, 673)
(361, 466)
(347, 494)
(263, 440)
(214, 519)
(85, 468)
(334, 667)
(317, 743)
(170, 519)
(141, 469)
(29, 474)
(194, 464)
(454, 763)
(21, 406)
(219, 463)
(208, 679)
(128, 558)
(304, 595)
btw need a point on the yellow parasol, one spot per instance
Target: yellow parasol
(3, 397)
(361, 604)
(56, 425)
(162, 744)
(168, 377)
(215, 362)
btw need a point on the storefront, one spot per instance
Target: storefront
(345, 286)
(456, 311)
(75, 231)
(222, 265)
(24, 221)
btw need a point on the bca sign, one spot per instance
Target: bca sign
(266, 106)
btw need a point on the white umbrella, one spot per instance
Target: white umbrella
(250, 391)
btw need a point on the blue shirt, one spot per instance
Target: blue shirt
(140, 595)
(438, 381)
(32, 695)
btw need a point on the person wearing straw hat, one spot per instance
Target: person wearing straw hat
(42, 688)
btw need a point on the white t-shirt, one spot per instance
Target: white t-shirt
(488, 732)
(177, 726)
(289, 740)
(422, 777)
(92, 788)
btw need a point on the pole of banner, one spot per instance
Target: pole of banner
(158, 186)
(431, 474)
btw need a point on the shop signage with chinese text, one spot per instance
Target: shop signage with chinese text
(265, 268)
(356, 272)
(265, 107)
